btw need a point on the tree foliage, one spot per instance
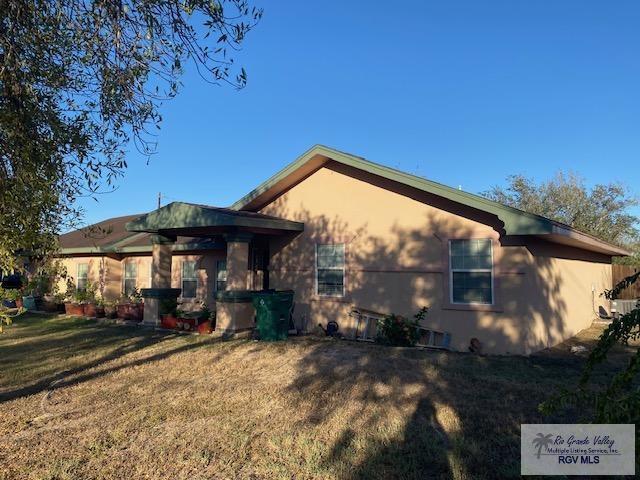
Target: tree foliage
(602, 211)
(80, 82)
(619, 401)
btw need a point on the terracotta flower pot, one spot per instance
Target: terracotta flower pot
(169, 321)
(205, 327)
(122, 310)
(93, 310)
(131, 311)
(89, 309)
(73, 309)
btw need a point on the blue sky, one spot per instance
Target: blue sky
(463, 93)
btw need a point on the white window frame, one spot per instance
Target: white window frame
(344, 271)
(124, 275)
(217, 271)
(182, 279)
(151, 274)
(86, 278)
(471, 270)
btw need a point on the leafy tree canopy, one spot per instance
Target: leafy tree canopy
(81, 81)
(602, 211)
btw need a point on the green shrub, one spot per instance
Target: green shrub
(205, 313)
(10, 294)
(400, 331)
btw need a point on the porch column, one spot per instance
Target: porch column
(161, 261)
(238, 261)
(234, 310)
(160, 279)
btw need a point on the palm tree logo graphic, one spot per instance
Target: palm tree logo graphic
(542, 441)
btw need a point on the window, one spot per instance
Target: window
(471, 264)
(221, 275)
(189, 279)
(330, 270)
(83, 276)
(130, 278)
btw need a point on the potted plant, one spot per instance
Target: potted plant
(49, 303)
(11, 298)
(17, 297)
(169, 320)
(100, 313)
(51, 299)
(131, 307)
(95, 308)
(59, 299)
(32, 296)
(205, 325)
(90, 301)
(72, 305)
(110, 310)
(169, 317)
(137, 305)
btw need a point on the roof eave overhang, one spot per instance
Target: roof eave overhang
(568, 236)
(178, 247)
(516, 222)
(192, 220)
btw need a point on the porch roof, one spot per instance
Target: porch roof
(189, 219)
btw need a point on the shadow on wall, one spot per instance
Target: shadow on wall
(402, 270)
(401, 413)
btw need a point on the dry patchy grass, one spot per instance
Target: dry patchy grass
(91, 401)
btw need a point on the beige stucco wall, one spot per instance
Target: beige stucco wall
(114, 270)
(206, 272)
(396, 248)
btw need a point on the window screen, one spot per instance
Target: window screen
(189, 279)
(83, 276)
(330, 269)
(471, 265)
(221, 275)
(130, 278)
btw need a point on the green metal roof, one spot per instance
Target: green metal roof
(180, 218)
(516, 222)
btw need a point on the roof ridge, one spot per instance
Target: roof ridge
(515, 221)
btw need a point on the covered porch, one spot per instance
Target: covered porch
(246, 236)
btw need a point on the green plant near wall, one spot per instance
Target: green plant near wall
(70, 292)
(135, 296)
(10, 294)
(400, 331)
(204, 312)
(619, 401)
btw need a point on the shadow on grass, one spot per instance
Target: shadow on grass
(76, 337)
(424, 414)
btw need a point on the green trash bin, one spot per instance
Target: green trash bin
(29, 303)
(272, 314)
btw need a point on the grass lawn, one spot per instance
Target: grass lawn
(82, 400)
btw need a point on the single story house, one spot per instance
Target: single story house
(345, 233)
